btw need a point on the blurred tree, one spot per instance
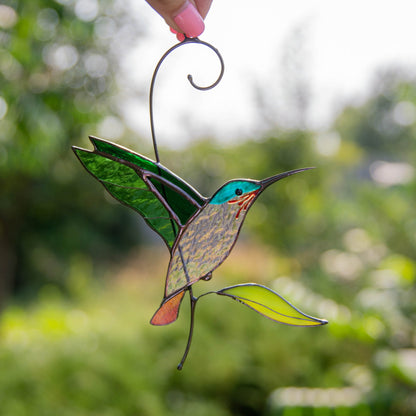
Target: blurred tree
(385, 124)
(57, 61)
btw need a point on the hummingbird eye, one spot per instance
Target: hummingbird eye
(239, 191)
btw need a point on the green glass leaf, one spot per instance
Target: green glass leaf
(269, 304)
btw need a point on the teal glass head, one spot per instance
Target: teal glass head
(234, 189)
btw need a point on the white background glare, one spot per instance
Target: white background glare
(343, 45)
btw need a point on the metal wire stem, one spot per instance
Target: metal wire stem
(190, 79)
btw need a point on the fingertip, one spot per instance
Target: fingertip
(180, 36)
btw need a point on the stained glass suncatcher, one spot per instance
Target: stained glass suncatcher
(199, 232)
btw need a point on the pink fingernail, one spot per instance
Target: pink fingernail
(190, 21)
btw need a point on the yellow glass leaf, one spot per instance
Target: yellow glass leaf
(270, 304)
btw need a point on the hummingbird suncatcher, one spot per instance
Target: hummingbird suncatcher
(199, 232)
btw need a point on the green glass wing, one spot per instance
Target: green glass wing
(164, 200)
(270, 304)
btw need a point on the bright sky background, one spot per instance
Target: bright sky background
(344, 44)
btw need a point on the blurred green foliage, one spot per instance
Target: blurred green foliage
(96, 354)
(57, 62)
(338, 241)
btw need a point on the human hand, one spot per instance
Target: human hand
(185, 17)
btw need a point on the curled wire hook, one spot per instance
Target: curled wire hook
(190, 79)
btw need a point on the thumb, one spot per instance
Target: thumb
(181, 15)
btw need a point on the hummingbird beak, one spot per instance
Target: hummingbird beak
(268, 181)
